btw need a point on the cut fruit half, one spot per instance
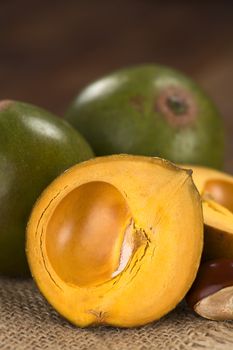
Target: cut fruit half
(116, 240)
(216, 190)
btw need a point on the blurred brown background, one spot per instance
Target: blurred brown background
(50, 49)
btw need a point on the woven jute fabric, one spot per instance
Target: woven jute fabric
(27, 322)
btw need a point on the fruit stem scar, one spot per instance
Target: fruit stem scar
(100, 315)
(177, 106)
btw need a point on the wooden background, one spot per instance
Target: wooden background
(50, 49)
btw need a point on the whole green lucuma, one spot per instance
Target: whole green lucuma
(35, 147)
(150, 110)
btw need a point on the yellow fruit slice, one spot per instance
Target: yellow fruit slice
(116, 240)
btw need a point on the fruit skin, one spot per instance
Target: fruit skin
(211, 292)
(35, 147)
(216, 190)
(166, 240)
(127, 112)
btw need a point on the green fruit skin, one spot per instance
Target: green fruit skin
(118, 114)
(35, 147)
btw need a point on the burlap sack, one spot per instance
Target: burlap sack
(27, 322)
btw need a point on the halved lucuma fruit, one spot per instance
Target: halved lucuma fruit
(216, 190)
(116, 240)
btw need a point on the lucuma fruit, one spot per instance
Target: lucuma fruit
(116, 240)
(216, 190)
(35, 147)
(150, 110)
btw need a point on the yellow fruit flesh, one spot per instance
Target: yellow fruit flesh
(216, 189)
(116, 240)
(220, 191)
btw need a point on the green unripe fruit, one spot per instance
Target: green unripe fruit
(150, 110)
(35, 147)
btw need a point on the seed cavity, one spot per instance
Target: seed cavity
(221, 191)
